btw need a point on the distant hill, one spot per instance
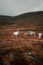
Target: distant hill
(30, 16)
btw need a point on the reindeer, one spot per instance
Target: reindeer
(31, 33)
(16, 33)
(40, 35)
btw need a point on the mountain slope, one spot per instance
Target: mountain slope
(35, 16)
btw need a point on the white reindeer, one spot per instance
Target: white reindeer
(31, 33)
(16, 33)
(39, 35)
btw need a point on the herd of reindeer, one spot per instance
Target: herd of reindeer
(30, 33)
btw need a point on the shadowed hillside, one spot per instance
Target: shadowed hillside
(22, 18)
(26, 47)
